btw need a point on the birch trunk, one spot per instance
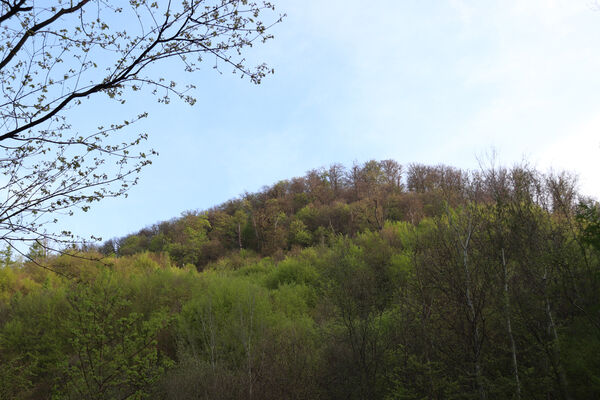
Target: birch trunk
(509, 330)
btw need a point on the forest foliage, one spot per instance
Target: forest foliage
(374, 282)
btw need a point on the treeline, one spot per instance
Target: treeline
(302, 211)
(454, 285)
(310, 210)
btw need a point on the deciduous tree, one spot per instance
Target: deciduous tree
(57, 55)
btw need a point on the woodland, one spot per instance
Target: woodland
(374, 281)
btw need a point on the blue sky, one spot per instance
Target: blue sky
(416, 81)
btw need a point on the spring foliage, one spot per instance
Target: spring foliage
(481, 287)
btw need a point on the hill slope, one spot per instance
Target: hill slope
(367, 283)
(313, 209)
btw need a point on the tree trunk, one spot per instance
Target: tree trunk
(475, 325)
(509, 330)
(562, 377)
(473, 313)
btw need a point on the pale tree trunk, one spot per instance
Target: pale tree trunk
(560, 372)
(208, 329)
(246, 328)
(256, 233)
(425, 315)
(377, 220)
(475, 334)
(473, 313)
(509, 330)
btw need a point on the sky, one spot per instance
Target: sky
(446, 82)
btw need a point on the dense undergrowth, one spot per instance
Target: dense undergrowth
(436, 284)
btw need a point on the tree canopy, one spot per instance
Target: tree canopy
(376, 282)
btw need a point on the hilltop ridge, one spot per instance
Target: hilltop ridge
(312, 209)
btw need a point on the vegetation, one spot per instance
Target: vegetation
(374, 282)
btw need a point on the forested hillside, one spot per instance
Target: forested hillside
(376, 281)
